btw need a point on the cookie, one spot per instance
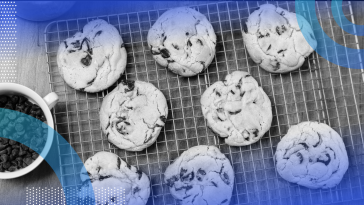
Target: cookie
(274, 40)
(107, 171)
(237, 109)
(201, 175)
(183, 41)
(133, 114)
(313, 155)
(93, 59)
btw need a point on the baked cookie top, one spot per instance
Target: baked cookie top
(93, 59)
(237, 109)
(201, 175)
(274, 40)
(183, 40)
(108, 171)
(133, 114)
(313, 155)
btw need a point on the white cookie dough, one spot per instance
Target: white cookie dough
(313, 155)
(93, 59)
(182, 40)
(133, 114)
(237, 109)
(201, 175)
(274, 40)
(107, 171)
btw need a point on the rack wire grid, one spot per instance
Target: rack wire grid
(318, 91)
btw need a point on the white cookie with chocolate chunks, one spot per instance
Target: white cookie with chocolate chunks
(201, 175)
(237, 109)
(313, 155)
(93, 59)
(133, 114)
(183, 41)
(274, 39)
(107, 171)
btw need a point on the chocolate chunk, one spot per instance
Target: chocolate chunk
(189, 43)
(170, 182)
(76, 44)
(136, 189)
(213, 183)
(98, 33)
(187, 33)
(326, 162)
(175, 46)
(304, 145)
(218, 94)
(129, 83)
(9, 106)
(234, 113)
(245, 27)
(182, 172)
(255, 132)
(65, 44)
(319, 141)
(200, 171)
(280, 51)
(12, 168)
(6, 165)
(278, 31)
(86, 60)
(269, 47)
(225, 178)
(3, 147)
(299, 155)
(4, 157)
(35, 155)
(163, 118)
(165, 53)
(224, 201)
(200, 42)
(15, 99)
(118, 163)
(260, 35)
(104, 177)
(188, 177)
(140, 173)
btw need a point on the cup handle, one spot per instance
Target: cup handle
(51, 99)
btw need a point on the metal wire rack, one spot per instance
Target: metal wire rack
(318, 91)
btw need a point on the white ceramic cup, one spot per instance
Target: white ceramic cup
(46, 104)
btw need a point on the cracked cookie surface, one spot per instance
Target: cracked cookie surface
(201, 175)
(237, 109)
(93, 59)
(183, 41)
(273, 38)
(107, 170)
(313, 155)
(133, 114)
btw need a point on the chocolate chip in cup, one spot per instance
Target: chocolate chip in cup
(17, 127)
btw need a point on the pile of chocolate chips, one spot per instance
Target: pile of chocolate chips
(23, 128)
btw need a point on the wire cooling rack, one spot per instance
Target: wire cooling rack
(318, 91)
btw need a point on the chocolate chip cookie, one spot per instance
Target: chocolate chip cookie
(237, 109)
(183, 41)
(313, 155)
(201, 175)
(93, 59)
(108, 172)
(274, 39)
(133, 114)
